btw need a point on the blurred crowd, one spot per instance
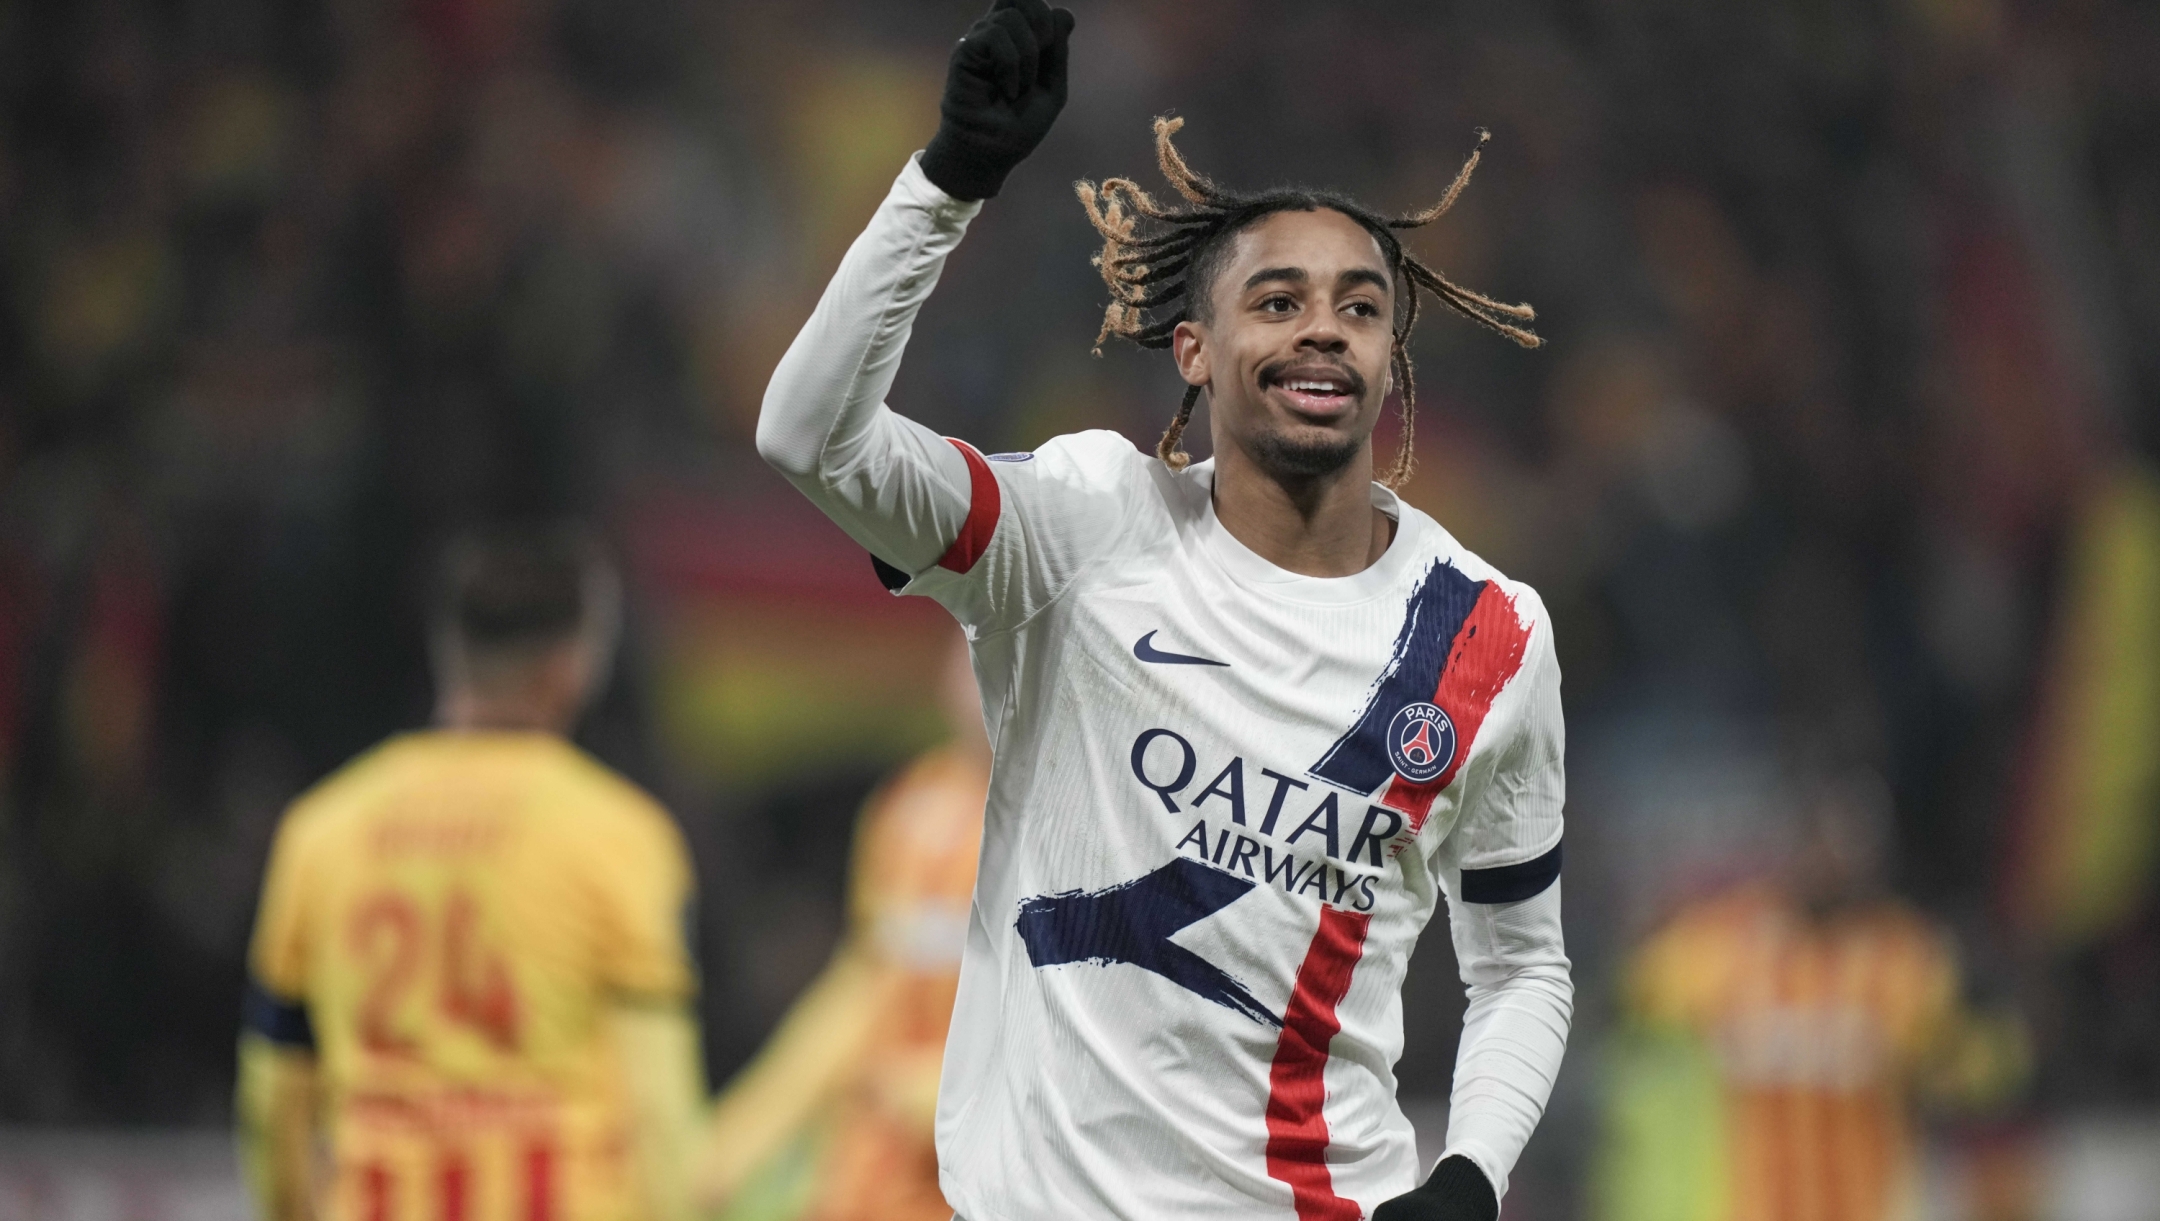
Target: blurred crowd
(1837, 470)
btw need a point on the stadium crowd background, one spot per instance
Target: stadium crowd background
(1837, 468)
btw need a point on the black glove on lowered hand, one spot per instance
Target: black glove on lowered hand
(1457, 1191)
(1003, 90)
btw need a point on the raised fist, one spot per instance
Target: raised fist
(1003, 89)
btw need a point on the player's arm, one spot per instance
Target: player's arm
(1513, 1038)
(663, 1074)
(794, 1075)
(639, 871)
(897, 488)
(276, 1104)
(1508, 945)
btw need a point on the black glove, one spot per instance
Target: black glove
(1003, 90)
(1457, 1191)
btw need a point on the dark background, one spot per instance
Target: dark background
(1854, 322)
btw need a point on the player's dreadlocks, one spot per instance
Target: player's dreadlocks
(1162, 278)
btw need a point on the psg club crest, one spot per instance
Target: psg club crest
(1420, 742)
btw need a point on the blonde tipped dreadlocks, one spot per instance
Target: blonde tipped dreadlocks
(1161, 277)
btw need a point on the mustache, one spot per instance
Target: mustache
(1272, 373)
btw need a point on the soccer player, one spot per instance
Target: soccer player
(1252, 718)
(469, 969)
(1779, 1033)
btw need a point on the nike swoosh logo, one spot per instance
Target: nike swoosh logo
(1144, 649)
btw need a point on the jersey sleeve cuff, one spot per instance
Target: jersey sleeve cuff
(919, 190)
(1482, 1158)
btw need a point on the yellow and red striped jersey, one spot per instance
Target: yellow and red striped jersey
(456, 912)
(1817, 1028)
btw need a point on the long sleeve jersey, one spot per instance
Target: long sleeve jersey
(1225, 802)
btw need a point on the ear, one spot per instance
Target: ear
(1189, 347)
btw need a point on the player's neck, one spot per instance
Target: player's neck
(1315, 526)
(469, 711)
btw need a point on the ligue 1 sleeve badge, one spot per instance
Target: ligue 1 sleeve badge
(1420, 742)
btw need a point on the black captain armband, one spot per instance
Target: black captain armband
(1512, 883)
(283, 1022)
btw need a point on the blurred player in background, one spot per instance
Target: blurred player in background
(1781, 1032)
(469, 971)
(851, 1077)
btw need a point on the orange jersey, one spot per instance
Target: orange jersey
(914, 877)
(457, 911)
(850, 1078)
(1817, 1029)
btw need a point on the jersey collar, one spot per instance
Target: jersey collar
(1248, 568)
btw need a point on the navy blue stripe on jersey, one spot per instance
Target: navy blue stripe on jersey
(283, 1022)
(1511, 883)
(1358, 761)
(1132, 922)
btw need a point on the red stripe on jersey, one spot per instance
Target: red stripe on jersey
(456, 1186)
(375, 1192)
(1297, 1087)
(984, 504)
(1486, 653)
(540, 1181)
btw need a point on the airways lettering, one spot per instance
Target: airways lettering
(1132, 923)
(1334, 885)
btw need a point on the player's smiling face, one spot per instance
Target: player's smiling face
(1295, 350)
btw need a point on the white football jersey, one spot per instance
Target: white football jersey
(1225, 802)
